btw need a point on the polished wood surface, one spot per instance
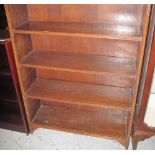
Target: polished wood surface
(141, 130)
(90, 55)
(98, 65)
(145, 25)
(81, 30)
(78, 45)
(83, 121)
(10, 114)
(105, 79)
(115, 14)
(17, 89)
(10, 117)
(80, 94)
(10, 103)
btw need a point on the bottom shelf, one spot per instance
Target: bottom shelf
(10, 117)
(98, 122)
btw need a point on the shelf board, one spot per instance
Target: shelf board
(92, 30)
(91, 64)
(80, 94)
(101, 123)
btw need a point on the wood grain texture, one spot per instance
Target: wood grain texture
(83, 121)
(105, 79)
(108, 31)
(98, 65)
(145, 24)
(117, 14)
(11, 108)
(82, 94)
(17, 88)
(10, 117)
(11, 12)
(78, 45)
(97, 33)
(18, 14)
(141, 130)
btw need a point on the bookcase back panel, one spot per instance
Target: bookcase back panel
(32, 107)
(85, 77)
(30, 76)
(118, 48)
(119, 14)
(18, 13)
(23, 45)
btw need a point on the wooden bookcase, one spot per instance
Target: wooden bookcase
(80, 65)
(12, 113)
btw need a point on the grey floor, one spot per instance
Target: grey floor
(55, 140)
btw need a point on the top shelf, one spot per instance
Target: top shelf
(99, 30)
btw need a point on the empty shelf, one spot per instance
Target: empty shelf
(99, 123)
(90, 64)
(99, 30)
(80, 94)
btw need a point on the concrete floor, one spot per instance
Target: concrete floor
(44, 139)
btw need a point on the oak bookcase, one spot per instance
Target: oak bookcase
(80, 65)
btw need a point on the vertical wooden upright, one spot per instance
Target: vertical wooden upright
(142, 131)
